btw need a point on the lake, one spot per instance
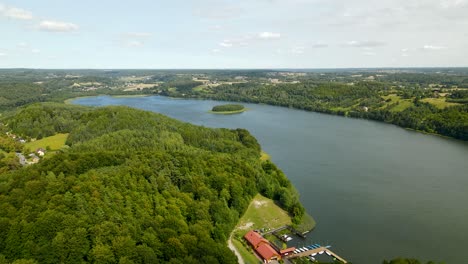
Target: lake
(377, 191)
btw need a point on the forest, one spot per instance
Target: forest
(132, 187)
(227, 108)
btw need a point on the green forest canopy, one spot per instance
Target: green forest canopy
(227, 108)
(133, 187)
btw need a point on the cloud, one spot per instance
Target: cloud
(226, 44)
(2, 54)
(319, 45)
(269, 35)
(432, 47)
(365, 44)
(216, 50)
(215, 27)
(134, 43)
(15, 13)
(241, 41)
(57, 26)
(36, 51)
(453, 3)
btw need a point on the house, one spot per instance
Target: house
(255, 239)
(40, 151)
(268, 253)
(262, 246)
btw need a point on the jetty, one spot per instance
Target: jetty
(315, 251)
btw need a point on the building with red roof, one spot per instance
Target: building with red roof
(262, 246)
(267, 253)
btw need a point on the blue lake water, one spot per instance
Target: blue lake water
(377, 191)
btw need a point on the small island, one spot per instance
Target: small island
(228, 109)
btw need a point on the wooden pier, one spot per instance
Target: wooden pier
(317, 250)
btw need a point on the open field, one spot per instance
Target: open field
(439, 102)
(263, 213)
(54, 142)
(137, 86)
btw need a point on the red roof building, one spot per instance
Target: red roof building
(267, 253)
(255, 239)
(262, 246)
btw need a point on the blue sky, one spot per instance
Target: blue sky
(233, 34)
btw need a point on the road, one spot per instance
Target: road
(234, 249)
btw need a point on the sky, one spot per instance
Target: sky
(220, 34)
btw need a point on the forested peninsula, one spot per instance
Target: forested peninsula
(131, 187)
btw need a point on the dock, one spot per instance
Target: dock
(316, 251)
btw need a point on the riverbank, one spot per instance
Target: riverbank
(70, 100)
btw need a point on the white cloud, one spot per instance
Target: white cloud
(216, 50)
(453, 3)
(134, 43)
(2, 54)
(15, 13)
(269, 35)
(432, 47)
(226, 44)
(57, 26)
(215, 27)
(319, 45)
(365, 44)
(36, 51)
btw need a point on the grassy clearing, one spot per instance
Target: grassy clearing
(402, 105)
(439, 102)
(263, 213)
(201, 88)
(55, 142)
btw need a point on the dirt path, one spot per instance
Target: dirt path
(234, 249)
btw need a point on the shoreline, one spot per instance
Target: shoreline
(69, 100)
